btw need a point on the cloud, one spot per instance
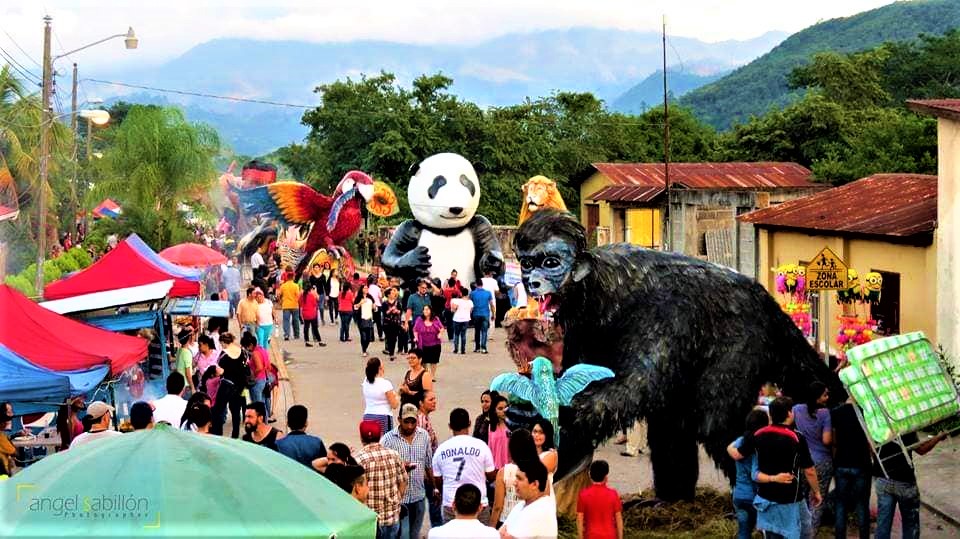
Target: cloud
(167, 29)
(492, 73)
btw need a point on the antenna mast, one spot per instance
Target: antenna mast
(666, 143)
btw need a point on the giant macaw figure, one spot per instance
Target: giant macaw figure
(334, 218)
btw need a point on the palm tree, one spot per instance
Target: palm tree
(156, 162)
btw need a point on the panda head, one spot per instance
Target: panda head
(445, 192)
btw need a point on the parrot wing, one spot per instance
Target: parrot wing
(577, 378)
(516, 385)
(290, 202)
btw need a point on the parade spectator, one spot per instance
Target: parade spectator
(438, 302)
(460, 313)
(481, 427)
(351, 478)
(169, 409)
(415, 305)
(896, 484)
(231, 283)
(289, 297)
(542, 432)
(427, 331)
(217, 324)
(386, 477)
(258, 265)
(257, 429)
(100, 414)
(364, 307)
(460, 460)
(200, 418)
(521, 447)
(427, 405)
(309, 311)
(258, 363)
(197, 399)
(206, 357)
(483, 312)
(141, 416)
(376, 294)
(339, 452)
(466, 507)
(497, 432)
(417, 379)
(8, 451)
(599, 510)
(745, 490)
(319, 283)
(297, 444)
(184, 363)
(812, 421)
(233, 380)
(782, 456)
(379, 397)
(247, 312)
(333, 292)
(265, 318)
(392, 326)
(852, 464)
(450, 287)
(345, 308)
(413, 445)
(535, 516)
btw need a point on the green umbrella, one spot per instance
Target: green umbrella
(169, 483)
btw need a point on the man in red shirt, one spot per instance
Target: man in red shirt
(599, 511)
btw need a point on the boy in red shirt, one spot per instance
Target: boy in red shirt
(599, 511)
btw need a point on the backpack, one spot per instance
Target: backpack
(244, 360)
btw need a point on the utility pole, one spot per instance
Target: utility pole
(74, 202)
(666, 141)
(46, 120)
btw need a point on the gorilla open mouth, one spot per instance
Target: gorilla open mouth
(549, 303)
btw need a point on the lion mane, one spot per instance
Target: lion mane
(539, 193)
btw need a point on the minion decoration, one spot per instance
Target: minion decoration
(872, 284)
(853, 291)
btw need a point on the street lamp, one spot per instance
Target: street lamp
(130, 41)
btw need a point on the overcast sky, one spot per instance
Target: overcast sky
(168, 28)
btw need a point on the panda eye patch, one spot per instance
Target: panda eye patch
(438, 182)
(465, 181)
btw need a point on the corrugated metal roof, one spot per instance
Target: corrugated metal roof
(752, 176)
(945, 108)
(628, 193)
(883, 204)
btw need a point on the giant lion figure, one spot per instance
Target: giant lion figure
(690, 343)
(540, 193)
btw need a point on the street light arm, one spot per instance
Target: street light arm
(57, 57)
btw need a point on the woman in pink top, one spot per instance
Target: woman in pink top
(497, 437)
(206, 357)
(426, 335)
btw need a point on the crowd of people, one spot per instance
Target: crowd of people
(790, 454)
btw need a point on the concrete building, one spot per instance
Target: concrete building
(883, 223)
(626, 202)
(947, 112)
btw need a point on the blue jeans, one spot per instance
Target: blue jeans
(345, 319)
(234, 301)
(288, 315)
(411, 524)
(481, 325)
(853, 490)
(256, 394)
(460, 336)
(321, 307)
(388, 531)
(891, 493)
(433, 507)
(746, 517)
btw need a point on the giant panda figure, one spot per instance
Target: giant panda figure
(445, 233)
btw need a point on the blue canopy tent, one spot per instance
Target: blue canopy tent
(36, 389)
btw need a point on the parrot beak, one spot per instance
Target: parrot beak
(366, 191)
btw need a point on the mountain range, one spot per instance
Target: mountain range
(756, 87)
(502, 71)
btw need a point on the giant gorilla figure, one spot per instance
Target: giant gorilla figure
(690, 343)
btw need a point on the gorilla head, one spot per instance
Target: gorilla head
(551, 247)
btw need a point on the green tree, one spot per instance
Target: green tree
(157, 162)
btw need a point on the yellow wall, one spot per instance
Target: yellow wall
(638, 220)
(948, 236)
(593, 184)
(645, 227)
(916, 266)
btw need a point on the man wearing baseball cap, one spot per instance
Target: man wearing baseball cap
(413, 445)
(100, 414)
(386, 479)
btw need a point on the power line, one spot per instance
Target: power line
(25, 53)
(198, 94)
(18, 67)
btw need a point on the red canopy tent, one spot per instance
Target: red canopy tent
(121, 267)
(56, 342)
(193, 255)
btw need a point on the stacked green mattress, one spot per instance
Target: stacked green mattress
(900, 385)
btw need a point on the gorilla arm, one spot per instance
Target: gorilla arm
(487, 245)
(403, 257)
